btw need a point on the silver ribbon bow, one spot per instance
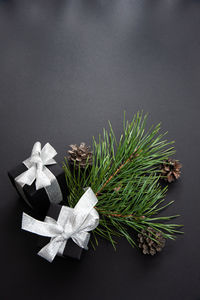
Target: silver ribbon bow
(38, 172)
(72, 223)
(35, 163)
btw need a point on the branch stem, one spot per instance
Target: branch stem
(115, 214)
(117, 171)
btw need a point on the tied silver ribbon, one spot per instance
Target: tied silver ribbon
(72, 223)
(38, 172)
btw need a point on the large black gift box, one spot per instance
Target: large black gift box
(38, 199)
(71, 249)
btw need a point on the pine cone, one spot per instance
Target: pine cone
(81, 155)
(148, 245)
(171, 170)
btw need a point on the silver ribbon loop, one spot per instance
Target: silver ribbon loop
(38, 172)
(72, 223)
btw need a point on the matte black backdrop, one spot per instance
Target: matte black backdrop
(66, 67)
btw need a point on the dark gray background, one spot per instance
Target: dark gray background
(66, 67)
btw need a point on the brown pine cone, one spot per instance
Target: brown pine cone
(80, 155)
(171, 170)
(148, 245)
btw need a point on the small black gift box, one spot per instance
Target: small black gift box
(39, 179)
(65, 231)
(38, 199)
(71, 249)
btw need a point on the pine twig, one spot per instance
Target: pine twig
(141, 197)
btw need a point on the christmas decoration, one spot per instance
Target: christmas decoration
(80, 155)
(113, 190)
(170, 169)
(125, 178)
(151, 241)
(39, 180)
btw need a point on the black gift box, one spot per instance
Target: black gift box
(71, 249)
(38, 199)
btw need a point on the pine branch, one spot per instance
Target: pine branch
(125, 177)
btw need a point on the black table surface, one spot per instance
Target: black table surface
(66, 68)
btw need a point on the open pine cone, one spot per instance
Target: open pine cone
(171, 170)
(148, 245)
(80, 155)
